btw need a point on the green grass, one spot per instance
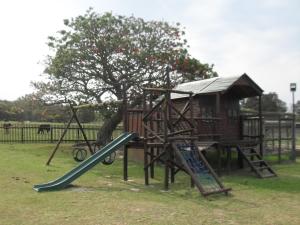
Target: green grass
(101, 197)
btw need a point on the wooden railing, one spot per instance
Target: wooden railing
(277, 131)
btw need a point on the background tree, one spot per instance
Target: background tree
(270, 103)
(30, 108)
(103, 57)
(5, 110)
(297, 109)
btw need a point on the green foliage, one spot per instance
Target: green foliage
(30, 108)
(100, 56)
(270, 103)
(86, 115)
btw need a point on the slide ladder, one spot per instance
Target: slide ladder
(86, 165)
(196, 165)
(256, 162)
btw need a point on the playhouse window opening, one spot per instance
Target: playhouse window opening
(207, 107)
(207, 112)
(233, 111)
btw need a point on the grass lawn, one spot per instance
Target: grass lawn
(101, 197)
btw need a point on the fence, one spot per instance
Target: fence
(45, 134)
(277, 133)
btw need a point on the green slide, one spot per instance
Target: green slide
(86, 165)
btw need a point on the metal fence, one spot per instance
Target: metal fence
(42, 133)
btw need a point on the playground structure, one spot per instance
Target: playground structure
(177, 127)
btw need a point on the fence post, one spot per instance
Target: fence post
(77, 134)
(293, 152)
(51, 134)
(279, 139)
(22, 134)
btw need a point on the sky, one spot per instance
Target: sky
(257, 37)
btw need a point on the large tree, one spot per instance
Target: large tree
(270, 103)
(100, 57)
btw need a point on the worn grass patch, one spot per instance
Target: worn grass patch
(101, 197)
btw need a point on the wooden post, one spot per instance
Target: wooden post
(51, 134)
(22, 134)
(126, 128)
(261, 135)
(293, 152)
(191, 105)
(228, 159)
(146, 171)
(170, 154)
(166, 147)
(125, 163)
(241, 134)
(151, 127)
(279, 138)
(287, 128)
(219, 151)
(60, 140)
(273, 139)
(218, 128)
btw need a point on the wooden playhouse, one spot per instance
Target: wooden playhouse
(176, 126)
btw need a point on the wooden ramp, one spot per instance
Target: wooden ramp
(202, 174)
(256, 162)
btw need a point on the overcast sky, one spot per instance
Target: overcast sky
(257, 37)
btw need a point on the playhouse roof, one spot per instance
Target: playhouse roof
(241, 86)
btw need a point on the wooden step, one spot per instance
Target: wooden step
(257, 161)
(223, 190)
(259, 166)
(269, 175)
(251, 154)
(155, 144)
(262, 167)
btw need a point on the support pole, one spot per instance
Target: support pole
(126, 128)
(219, 159)
(166, 112)
(279, 138)
(166, 147)
(151, 127)
(125, 163)
(146, 170)
(261, 135)
(170, 154)
(293, 152)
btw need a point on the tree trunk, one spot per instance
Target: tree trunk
(105, 132)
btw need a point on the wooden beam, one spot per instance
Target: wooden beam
(60, 140)
(151, 132)
(81, 129)
(98, 105)
(152, 110)
(168, 90)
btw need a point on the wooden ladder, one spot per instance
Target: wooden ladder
(258, 165)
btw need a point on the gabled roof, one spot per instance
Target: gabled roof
(243, 86)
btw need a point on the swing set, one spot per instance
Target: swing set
(79, 151)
